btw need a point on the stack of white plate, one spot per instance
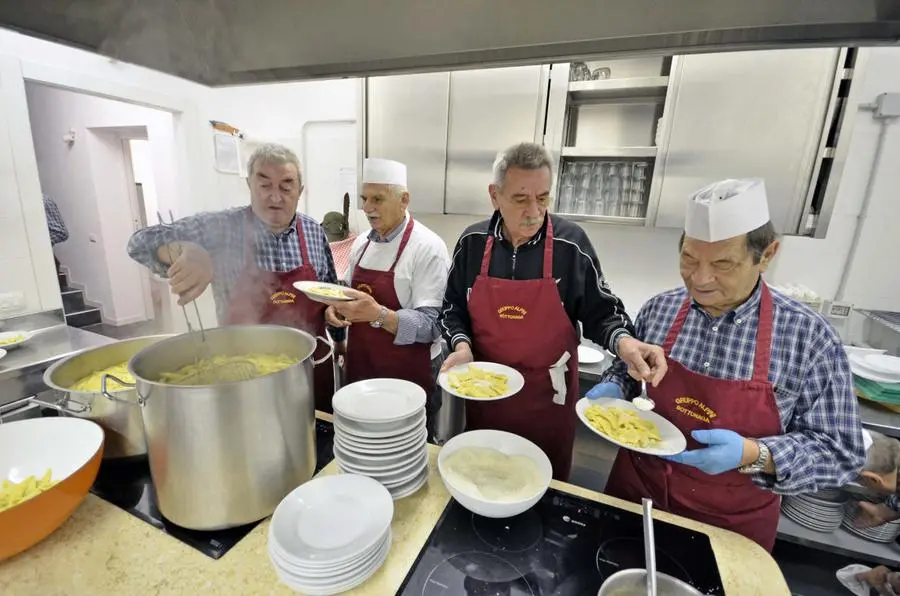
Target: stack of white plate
(822, 511)
(884, 533)
(875, 367)
(331, 534)
(380, 432)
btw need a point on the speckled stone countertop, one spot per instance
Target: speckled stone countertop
(104, 550)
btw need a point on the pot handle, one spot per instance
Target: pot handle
(140, 400)
(64, 405)
(330, 353)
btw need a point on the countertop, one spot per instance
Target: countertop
(47, 345)
(104, 550)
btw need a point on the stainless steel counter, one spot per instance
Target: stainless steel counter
(22, 368)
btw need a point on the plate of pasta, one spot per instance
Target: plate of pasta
(482, 381)
(319, 291)
(620, 422)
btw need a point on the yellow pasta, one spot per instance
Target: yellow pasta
(625, 426)
(92, 381)
(327, 292)
(13, 493)
(224, 369)
(477, 382)
(13, 339)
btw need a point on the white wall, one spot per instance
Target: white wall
(298, 115)
(142, 166)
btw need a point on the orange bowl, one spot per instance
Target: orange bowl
(72, 449)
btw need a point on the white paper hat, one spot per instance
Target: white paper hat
(384, 171)
(726, 209)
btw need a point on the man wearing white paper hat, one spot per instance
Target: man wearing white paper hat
(399, 272)
(757, 382)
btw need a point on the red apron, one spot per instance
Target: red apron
(523, 324)
(693, 401)
(269, 297)
(371, 352)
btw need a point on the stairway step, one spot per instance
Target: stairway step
(82, 318)
(73, 300)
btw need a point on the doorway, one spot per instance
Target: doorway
(102, 161)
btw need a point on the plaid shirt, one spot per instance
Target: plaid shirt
(222, 233)
(56, 225)
(822, 444)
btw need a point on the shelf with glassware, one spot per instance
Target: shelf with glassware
(610, 190)
(605, 116)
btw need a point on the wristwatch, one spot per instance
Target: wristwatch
(379, 322)
(760, 464)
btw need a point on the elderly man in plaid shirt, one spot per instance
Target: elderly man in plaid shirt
(757, 382)
(252, 256)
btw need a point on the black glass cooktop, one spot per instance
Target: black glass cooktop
(127, 485)
(563, 546)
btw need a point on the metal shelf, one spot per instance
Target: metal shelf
(619, 88)
(599, 152)
(841, 542)
(879, 419)
(607, 219)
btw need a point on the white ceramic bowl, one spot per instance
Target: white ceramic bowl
(508, 444)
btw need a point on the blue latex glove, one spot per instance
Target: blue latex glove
(726, 448)
(606, 389)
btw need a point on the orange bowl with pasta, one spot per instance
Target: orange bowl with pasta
(47, 466)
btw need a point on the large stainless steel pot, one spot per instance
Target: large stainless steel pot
(225, 455)
(633, 582)
(120, 421)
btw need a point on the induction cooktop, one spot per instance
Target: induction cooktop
(563, 546)
(127, 485)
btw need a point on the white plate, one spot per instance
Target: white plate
(376, 461)
(362, 432)
(378, 470)
(307, 288)
(403, 491)
(515, 381)
(2, 353)
(378, 400)
(338, 585)
(883, 364)
(5, 336)
(280, 559)
(858, 368)
(332, 519)
(376, 430)
(588, 355)
(361, 447)
(672, 440)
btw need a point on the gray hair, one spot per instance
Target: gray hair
(273, 153)
(758, 240)
(525, 156)
(883, 456)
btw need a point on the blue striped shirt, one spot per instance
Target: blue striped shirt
(222, 233)
(55, 223)
(821, 445)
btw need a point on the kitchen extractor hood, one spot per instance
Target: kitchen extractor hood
(226, 42)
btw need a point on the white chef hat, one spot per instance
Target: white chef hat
(384, 171)
(726, 209)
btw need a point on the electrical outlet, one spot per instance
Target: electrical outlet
(12, 301)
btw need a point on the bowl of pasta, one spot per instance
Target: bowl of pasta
(47, 466)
